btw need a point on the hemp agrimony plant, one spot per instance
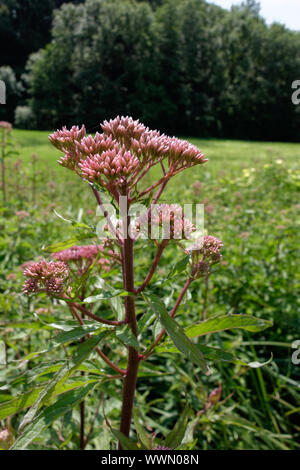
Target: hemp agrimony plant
(115, 165)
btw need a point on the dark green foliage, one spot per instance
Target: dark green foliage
(186, 67)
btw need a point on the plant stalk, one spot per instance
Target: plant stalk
(133, 360)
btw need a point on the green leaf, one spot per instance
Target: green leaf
(179, 267)
(176, 332)
(65, 403)
(127, 338)
(105, 295)
(2, 353)
(67, 337)
(145, 440)
(175, 437)
(213, 354)
(27, 399)
(126, 443)
(66, 371)
(67, 243)
(227, 322)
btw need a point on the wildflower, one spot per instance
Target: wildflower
(210, 208)
(124, 151)
(205, 253)
(111, 168)
(22, 214)
(6, 126)
(65, 139)
(124, 129)
(215, 395)
(183, 154)
(11, 277)
(78, 254)
(45, 276)
(197, 186)
(167, 218)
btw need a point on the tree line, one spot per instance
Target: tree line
(185, 66)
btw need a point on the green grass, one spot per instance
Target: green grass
(222, 154)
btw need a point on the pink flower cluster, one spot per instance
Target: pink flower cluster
(6, 126)
(114, 165)
(48, 276)
(167, 219)
(78, 254)
(205, 253)
(123, 153)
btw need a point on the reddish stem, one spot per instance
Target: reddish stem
(156, 260)
(133, 360)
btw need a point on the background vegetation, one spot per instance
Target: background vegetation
(251, 197)
(183, 66)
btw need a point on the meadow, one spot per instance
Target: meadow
(251, 195)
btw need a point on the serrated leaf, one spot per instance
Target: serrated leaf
(17, 404)
(176, 332)
(62, 375)
(49, 415)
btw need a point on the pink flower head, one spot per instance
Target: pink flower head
(90, 145)
(22, 214)
(124, 129)
(44, 275)
(77, 253)
(167, 218)
(6, 126)
(183, 154)
(150, 146)
(111, 167)
(65, 141)
(205, 253)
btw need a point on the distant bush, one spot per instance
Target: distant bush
(24, 118)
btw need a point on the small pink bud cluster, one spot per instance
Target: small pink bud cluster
(112, 166)
(78, 254)
(215, 395)
(183, 154)
(6, 126)
(167, 218)
(48, 276)
(205, 253)
(65, 141)
(126, 150)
